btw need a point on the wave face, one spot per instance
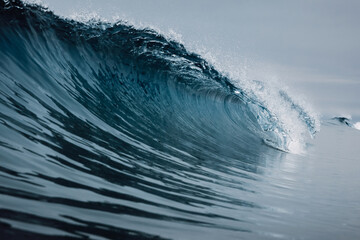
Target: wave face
(109, 130)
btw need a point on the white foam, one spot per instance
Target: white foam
(357, 125)
(86, 17)
(267, 89)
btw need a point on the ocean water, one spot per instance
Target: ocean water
(110, 131)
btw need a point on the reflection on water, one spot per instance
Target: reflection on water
(68, 176)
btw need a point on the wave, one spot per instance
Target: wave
(344, 120)
(121, 107)
(131, 66)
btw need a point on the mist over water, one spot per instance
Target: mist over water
(118, 130)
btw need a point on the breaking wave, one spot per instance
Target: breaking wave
(127, 114)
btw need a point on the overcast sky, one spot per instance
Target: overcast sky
(311, 45)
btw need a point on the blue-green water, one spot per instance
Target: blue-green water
(113, 132)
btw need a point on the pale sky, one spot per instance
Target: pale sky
(313, 46)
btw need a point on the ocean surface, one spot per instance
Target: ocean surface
(109, 131)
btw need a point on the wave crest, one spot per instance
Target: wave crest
(137, 79)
